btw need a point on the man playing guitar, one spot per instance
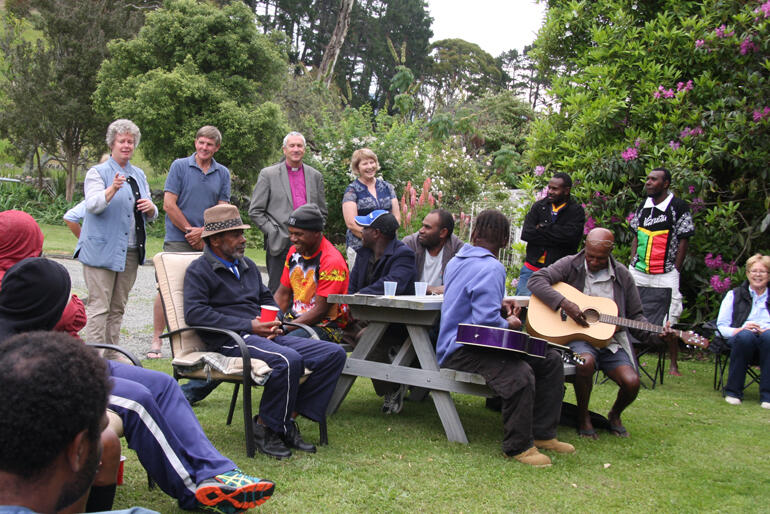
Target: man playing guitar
(596, 273)
(531, 388)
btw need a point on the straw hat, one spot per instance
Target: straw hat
(221, 218)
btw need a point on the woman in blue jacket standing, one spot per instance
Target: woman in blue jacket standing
(112, 242)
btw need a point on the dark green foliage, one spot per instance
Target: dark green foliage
(683, 85)
(193, 64)
(48, 84)
(365, 66)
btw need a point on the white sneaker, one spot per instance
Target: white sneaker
(765, 405)
(732, 400)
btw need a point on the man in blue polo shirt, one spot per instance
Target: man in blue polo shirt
(194, 184)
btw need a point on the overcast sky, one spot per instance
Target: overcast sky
(494, 25)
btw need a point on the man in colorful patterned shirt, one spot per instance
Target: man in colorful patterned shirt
(314, 269)
(663, 226)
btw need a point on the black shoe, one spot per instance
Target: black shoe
(495, 403)
(270, 443)
(293, 439)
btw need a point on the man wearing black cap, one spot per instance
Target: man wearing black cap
(223, 288)
(382, 258)
(314, 269)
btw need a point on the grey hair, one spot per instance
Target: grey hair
(292, 134)
(211, 132)
(122, 126)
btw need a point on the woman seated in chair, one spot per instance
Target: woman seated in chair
(744, 319)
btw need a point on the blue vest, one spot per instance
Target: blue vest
(103, 241)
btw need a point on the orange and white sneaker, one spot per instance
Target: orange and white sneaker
(233, 491)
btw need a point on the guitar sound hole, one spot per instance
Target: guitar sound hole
(592, 316)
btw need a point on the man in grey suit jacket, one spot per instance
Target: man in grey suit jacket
(280, 189)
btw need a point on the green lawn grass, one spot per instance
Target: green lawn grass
(59, 241)
(689, 451)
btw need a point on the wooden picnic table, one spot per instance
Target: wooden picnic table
(418, 314)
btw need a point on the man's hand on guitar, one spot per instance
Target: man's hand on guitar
(668, 334)
(514, 323)
(574, 312)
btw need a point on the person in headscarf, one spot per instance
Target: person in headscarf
(20, 238)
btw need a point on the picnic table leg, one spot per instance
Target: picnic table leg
(445, 406)
(369, 339)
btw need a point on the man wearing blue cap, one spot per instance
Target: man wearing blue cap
(383, 258)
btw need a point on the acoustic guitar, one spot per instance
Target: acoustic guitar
(601, 315)
(510, 340)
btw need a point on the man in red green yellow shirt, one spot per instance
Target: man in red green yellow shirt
(313, 270)
(662, 227)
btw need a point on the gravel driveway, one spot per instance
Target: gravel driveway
(136, 332)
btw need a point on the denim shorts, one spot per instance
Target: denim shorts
(604, 358)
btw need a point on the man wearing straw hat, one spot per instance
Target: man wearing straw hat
(223, 288)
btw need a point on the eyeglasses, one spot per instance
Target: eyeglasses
(757, 272)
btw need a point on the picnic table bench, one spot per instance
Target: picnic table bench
(418, 314)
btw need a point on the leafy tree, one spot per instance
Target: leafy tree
(523, 76)
(48, 83)
(364, 68)
(194, 64)
(683, 85)
(459, 71)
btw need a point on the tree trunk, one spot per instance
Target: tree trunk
(326, 70)
(72, 175)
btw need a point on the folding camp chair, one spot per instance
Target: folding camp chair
(721, 351)
(656, 302)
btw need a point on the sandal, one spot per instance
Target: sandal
(619, 431)
(588, 434)
(154, 354)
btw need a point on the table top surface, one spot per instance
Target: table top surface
(426, 303)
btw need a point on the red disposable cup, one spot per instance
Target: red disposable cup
(269, 313)
(119, 480)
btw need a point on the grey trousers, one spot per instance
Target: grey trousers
(275, 264)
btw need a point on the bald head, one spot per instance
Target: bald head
(600, 236)
(599, 244)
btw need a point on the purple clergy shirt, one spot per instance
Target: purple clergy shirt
(297, 184)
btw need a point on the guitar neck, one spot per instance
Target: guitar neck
(639, 325)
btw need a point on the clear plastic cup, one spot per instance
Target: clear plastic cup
(420, 288)
(390, 288)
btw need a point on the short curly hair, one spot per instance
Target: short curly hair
(122, 127)
(53, 388)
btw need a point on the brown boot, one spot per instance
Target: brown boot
(534, 458)
(555, 445)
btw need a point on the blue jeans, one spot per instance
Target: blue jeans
(743, 346)
(521, 288)
(323, 335)
(196, 390)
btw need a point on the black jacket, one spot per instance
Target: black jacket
(558, 238)
(396, 264)
(742, 304)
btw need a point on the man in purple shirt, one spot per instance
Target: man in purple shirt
(280, 189)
